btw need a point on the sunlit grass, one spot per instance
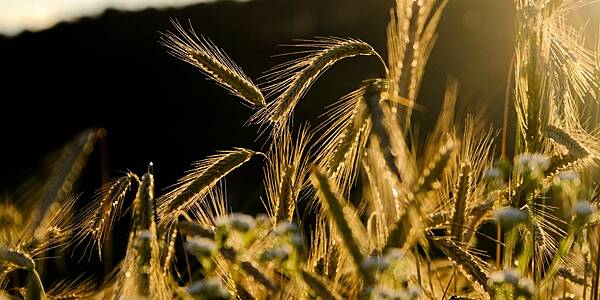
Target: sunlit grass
(384, 215)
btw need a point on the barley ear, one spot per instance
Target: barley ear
(144, 233)
(470, 266)
(318, 286)
(285, 174)
(100, 215)
(461, 196)
(570, 275)
(433, 173)
(345, 135)
(562, 137)
(334, 206)
(194, 187)
(213, 62)
(292, 80)
(65, 173)
(373, 96)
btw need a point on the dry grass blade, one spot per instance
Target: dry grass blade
(293, 79)
(319, 286)
(470, 266)
(199, 181)
(100, 215)
(34, 289)
(213, 62)
(334, 206)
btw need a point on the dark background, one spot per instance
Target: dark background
(111, 72)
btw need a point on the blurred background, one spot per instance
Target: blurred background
(67, 66)
(109, 70)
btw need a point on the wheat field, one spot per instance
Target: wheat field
(391, 215)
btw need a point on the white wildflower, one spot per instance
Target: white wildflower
(525, 287)
(583, 209)
(237, 221)
(209, 288)
(374, 263)
(531, 163)
(510, 216)
(200, 247)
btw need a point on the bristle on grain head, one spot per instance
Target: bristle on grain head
(345, 135)
(290, 81)
(286, 173)
(199, 181)
(99, 217)
(213, 62)
(461, 196)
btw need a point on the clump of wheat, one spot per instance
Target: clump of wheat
(387, 216)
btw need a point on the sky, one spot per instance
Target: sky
(35, 15)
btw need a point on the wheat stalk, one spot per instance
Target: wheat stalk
(199, 181)
(293, 79)
(99, 216)
(64, 174)
(432, 174)
(213, 62)
(345, 135)
(373, 96)
(461, 196)
(285, 174)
